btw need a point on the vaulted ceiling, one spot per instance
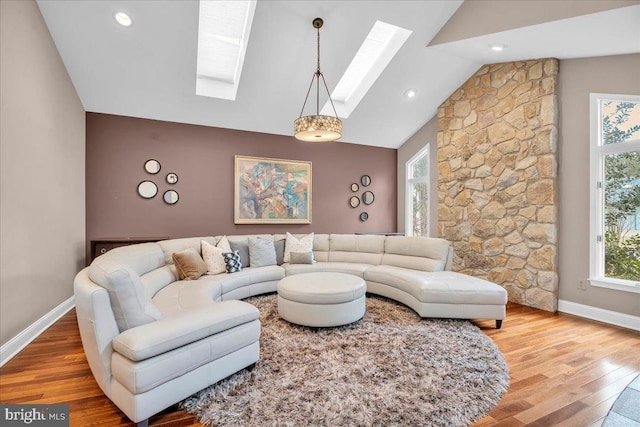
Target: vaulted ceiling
(148, 70)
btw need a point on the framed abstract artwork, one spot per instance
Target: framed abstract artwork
(272, 191)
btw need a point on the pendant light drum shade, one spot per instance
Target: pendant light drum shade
(317, 128)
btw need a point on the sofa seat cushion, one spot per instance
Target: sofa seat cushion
(444, 287)
(186, 294)
(250, 276)
(183, 328)
(142, 376)
(332, 267)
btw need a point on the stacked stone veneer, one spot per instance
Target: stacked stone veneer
(497, 170)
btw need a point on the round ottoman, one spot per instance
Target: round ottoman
(321, 299)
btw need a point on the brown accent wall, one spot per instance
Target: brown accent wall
(203, 158)
(497, 178)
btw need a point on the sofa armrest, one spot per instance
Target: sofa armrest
(155, 338)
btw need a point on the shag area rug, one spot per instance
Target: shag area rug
(391, 368)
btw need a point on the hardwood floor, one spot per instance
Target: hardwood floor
(565, 371)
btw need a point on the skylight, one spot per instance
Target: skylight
(378, 49)
(223, 34)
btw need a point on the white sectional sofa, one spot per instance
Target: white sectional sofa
(152, 340)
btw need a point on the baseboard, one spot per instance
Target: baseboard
(600, 314)
(20, 341)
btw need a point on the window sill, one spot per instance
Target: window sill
(617, 284)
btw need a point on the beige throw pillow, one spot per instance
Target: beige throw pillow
(301, 257)
(212, 255)
(293, 244)
(189, 264)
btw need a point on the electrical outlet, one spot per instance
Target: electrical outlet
(582, 285)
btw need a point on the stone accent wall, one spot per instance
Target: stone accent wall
(497, 178)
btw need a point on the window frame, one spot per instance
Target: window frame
(409, 182)
(598, 152)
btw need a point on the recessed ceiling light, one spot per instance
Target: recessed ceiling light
(497, 47)
(123, 19)
(410, 93)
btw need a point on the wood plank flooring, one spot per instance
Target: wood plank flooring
(565, 371)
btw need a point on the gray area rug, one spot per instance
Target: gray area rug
(625, 411)
(391, 368)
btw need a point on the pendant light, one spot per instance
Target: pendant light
(318, 128)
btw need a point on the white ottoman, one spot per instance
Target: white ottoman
(321, 299)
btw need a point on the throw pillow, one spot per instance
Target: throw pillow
(279, 244)
(262, 252)
(301, 257)
(293, 244)
(212, 255)
(223, 243)
(189, 264)
(232, 260)
(242, 247)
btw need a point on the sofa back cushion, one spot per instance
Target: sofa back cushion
(365, 249)
(321, 247)
(416, 253)
(157, 279)
(119, 271)
(169, 247)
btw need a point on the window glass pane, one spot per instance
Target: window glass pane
(622, 215)
(620, 121)
(419, 194)
(420, 167)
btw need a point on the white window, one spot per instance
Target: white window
(417, 194)
(615, 192)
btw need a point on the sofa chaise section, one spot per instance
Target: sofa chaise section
(443, 294)
(412, 271)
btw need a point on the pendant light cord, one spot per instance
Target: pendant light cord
(317, 76)
(318, 70)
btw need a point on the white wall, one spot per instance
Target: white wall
(426, 135)
(577, 79)
(42, 196)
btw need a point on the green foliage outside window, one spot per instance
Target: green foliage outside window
(621, 196)
(420, 209)
(419, 170)
(622, 258)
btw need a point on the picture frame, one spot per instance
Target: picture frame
(272, 191)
